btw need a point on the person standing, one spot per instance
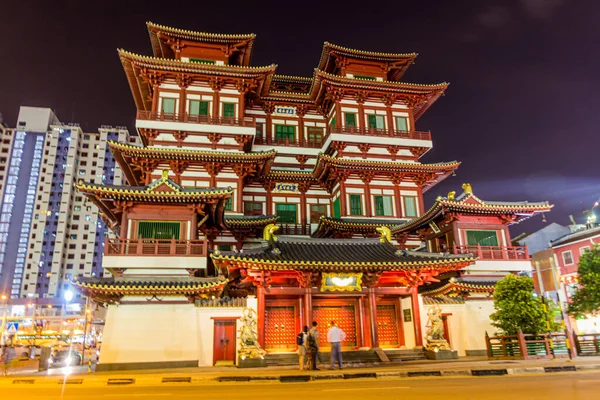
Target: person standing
(302, 342)
(336, 336)
(313, 344)
(8, 355)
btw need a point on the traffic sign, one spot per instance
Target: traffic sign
(12, 328)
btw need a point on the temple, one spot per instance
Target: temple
(299, 197)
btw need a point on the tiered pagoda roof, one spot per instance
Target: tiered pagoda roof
(460, 286)
(469, 204)
(347, 227)
(162, 38)
(111, 290)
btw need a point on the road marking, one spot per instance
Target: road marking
(366, 388)
(136, 394)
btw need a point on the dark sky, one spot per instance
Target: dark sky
(522, 111)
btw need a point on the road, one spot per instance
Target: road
(574, 386)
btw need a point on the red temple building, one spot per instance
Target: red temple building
(300, 197)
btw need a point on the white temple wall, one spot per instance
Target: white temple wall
(206, 331)
(409, 327)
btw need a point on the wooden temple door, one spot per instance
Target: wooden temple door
(344, 313)
(389, 329)
(281, 325)
(224, 342)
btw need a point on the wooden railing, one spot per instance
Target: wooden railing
(587, 344)
(353, 130)
(196, 119)
(494, 252)
(528, 347)
(154, 247)
(288, 142)
(294, 229)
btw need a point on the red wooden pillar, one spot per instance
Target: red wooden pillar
(338, 114)
(216, 104)
(308, 307)
(155, 96)
(303, 217)
(400, 322)
(269, 129)
(361, 316)
(416, 316)
(398, 198)
(373, 317)
(361, 114)
(260, 300)
(368, 199)
(194, 227)
(240, 197)
(343, 197)
(124, 225)
(301, 129)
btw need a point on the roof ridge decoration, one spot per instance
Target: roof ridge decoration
(441, 85)
(236, 36)
(175, 150)
(369, 53)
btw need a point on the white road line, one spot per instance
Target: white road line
(366, 388)
(136, 394)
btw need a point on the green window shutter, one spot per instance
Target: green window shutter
(372, 120)
(401, 124)
(378, 206)
(168, 106)
(228, 109)
(333, 121)
(158, 230)
(198, 107)
(336, 208)
(383, 206)
(287, 213)
(285, 132)
(229, 204)
(482, 238)
(355, 204)
(410, 207)
(350, 119)
(379, 122)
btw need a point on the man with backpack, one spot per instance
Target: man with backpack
(313, 346)
(301, 341)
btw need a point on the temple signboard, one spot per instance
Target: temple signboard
(346, 282)
(286, 188)
(284, 110)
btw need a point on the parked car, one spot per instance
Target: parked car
(64, 358)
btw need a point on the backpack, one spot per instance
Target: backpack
(312, 343)
(300, 339)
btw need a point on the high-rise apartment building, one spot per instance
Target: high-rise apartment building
(48, 232)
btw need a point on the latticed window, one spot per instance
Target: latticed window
(285, 132)
(228, 109)
(401, 124)
(482, 238)
(410, 206)
(287, 213)
(198, 107)
(168, 106)
(252, 208)
(350, 119)
(158, 230)
(336, 208)
(383, 206)
(316, 211)
(355, 204)
(315, 135)
(376, 121)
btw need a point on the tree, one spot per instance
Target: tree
(586, 300)
(518, 308)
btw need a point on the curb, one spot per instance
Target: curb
(125, 381)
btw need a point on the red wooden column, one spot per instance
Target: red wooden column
(400, 318)
(373, 317)
(360, 99)
(260, 300)
(300, 112)
(155, 96)
(361, 315)
(308, 307)
(416, 316)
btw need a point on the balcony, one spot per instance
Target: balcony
(495, 253)
(154, 254)
(259, 140)
(353, 130)
(294, 229)
(195, 123)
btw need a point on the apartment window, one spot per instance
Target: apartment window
(229, 109)
(583, 249)
(202, 60)
(383, 206)
(252, 208)
(158, 230)
(376, 121)
(482, 238)
(567, 257)
(315, 135)
(350, 119)
(285, 132)
(401, 124)
(287, 213)
(316, 212)
(356, 204)
(198, 107)
(410, 206)
(168, 105)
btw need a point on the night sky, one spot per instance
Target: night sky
(521, 111)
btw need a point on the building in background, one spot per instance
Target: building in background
(48, 232)
(540, 239)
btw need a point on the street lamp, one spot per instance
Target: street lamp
(2, 327)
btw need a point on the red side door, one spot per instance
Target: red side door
(224, 343)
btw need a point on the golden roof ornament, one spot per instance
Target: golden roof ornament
(269, 232)
(451, 195)
(467, 188)
(165, 175)
(386, 234)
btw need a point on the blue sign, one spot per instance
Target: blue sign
(286, 188)
(12, 328)
(281, 110)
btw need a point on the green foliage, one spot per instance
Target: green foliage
(517, 308)
(587, 299)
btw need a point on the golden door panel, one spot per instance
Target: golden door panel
(280, 328)
(387, 325)
(344, 317)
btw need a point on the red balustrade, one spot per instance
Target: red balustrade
(494, 252)
(353, 130)
(154, 247)
(195, 119)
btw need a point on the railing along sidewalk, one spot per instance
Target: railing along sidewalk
(528, 346)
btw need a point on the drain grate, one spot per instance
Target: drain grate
(360, 375)
(70, 381)
(233, 378)
(120, 381)
(488, 372)
(294, 378)
(567, 368)
(23, 381)
(424, 373)
(177, 379)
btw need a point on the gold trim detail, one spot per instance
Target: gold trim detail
(355, 286)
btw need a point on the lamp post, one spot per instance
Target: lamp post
(3, 326)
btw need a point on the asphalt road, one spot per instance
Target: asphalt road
(584, 386)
